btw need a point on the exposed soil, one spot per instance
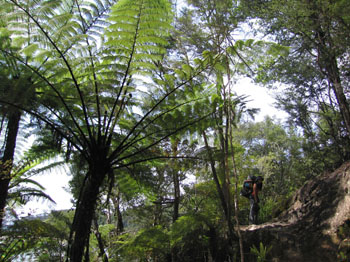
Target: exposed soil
(316, 226)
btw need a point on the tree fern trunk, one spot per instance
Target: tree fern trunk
(102, 254)
(119, 216)
(176, 181)
(177, 195)
(7, 159)
(84, 213)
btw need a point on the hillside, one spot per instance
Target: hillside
(315, 227)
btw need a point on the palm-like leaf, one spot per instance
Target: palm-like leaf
(23, 188)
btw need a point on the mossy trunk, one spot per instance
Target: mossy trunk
(84, 214)
(7, 159)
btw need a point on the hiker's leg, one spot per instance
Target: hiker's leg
(256, 213)
(251, 213)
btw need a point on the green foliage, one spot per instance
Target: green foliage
(11, 248)
(190, 237)
(184, 228)
(261, 253)
(342, 257)
(318, 38)
(42, 239)
(343, 233)
(146, 244)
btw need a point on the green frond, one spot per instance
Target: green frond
(29, 50)
(63, 28)
(93, 17)
(144, 65)
(138, 31)
(46, 168)
(46, 8)
(18, 42)
(19, 180)
(25, 194)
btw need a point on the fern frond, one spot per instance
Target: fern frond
(92, 16)
(25, 194)
(138, 32)
(16, 182)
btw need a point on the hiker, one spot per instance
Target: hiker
(250, 190)
(254, 199)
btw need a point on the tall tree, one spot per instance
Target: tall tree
(318, 33)
(16, 85)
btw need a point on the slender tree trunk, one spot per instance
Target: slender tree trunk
(102, 253)
(215, 177)
(157, 211)
(157, 214)
(223, 200)
(328, 64)
(238, 230)
(230, 118)
(176, 195)
(226, 164)
(84, 214)
(339, 93)
(213, 242)
(176, 181)
(119, 216)
(7, 159)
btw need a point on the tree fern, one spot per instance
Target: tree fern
(87, 84)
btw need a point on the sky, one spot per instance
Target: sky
(260, 97)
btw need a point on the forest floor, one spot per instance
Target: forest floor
(315, 227)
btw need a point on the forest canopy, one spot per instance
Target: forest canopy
(138, 98)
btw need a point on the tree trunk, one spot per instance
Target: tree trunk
(341, 98)
(118, 213)
(223, 200)
(240, 239)
(216, 179)
(327, 61)
(84, 213)
(176, 195)
(102, 254)
(7, 159)
(176, 181)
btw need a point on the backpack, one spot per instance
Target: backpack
(247, 188)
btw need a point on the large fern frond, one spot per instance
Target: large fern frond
(136, 40)
(22, 195)
(138, 34)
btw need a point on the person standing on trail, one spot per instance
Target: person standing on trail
(254, 199)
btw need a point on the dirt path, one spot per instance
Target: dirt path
(268, 225)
